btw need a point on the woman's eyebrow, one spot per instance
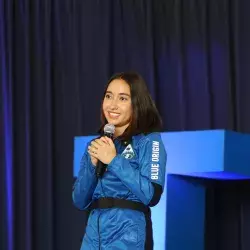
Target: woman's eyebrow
(110, 92)
(124, 94)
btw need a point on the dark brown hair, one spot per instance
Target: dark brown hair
(145, 116)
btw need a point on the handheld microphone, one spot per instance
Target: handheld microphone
(109, 130)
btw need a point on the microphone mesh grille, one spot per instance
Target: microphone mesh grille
(109, 129)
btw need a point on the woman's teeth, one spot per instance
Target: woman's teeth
(113, 115)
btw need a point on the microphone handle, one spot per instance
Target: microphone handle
(109, 135)
(100, 169)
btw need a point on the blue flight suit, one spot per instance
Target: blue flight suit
(134, 173)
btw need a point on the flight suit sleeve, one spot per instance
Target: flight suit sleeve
(147, 181)
(85, 183)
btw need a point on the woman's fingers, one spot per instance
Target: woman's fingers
(92, 152)
(97, 143)
(108, 140)
(92, 149)
(94, 144)
(104, 140)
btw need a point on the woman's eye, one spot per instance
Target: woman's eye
(107, 96)
(123, 99)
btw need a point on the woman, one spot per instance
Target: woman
(135, 163)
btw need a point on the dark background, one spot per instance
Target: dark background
(56, 57)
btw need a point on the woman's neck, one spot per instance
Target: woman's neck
(119, 130)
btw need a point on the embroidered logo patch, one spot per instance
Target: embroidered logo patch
(128, 152)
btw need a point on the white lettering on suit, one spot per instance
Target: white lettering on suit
(155, 159)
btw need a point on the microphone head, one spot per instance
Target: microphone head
(109, 130)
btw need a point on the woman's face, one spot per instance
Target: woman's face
(117, 105)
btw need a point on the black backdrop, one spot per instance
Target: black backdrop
(56, 57)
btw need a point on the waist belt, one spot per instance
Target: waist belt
(108, 202)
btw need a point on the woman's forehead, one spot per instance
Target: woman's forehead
(118, 86)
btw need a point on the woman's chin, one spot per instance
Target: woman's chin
(113, 121)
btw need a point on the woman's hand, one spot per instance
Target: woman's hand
(94, 160)
(102, 149)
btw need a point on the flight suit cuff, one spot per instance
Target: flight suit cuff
(115, 163)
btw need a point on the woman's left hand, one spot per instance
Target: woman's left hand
(103, 149)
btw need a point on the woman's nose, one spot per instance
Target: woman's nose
(113, 104)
